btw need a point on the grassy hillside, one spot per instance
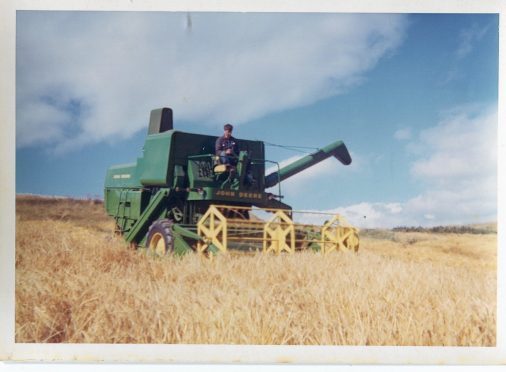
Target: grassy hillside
(77, 282)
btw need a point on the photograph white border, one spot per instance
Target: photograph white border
(9, 350)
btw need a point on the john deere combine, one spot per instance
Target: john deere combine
(177, 197)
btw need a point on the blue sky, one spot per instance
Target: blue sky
(413, 96)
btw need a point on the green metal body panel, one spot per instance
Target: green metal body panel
(140, 227)
(179, 234)
(175, 178)
(153, 166)
(122, 176)
(126, 205)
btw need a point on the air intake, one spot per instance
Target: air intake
(160, 120)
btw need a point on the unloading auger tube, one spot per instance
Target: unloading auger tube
(177, 190)
(337, 149)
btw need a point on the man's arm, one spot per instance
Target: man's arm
(217, 146)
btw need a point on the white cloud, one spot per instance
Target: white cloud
(330, 170)
(366, 215)
(468, 38)
(403, 134)
(101, 73)
(461, 148)
(458, 167)
(363, 215)
(42, 123)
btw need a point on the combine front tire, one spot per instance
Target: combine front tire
(159, 241)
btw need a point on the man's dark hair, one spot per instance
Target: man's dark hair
(228, 127)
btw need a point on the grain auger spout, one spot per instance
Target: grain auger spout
(337, 149)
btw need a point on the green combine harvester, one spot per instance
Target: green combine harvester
(177, 197)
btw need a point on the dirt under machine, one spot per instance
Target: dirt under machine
(178, 197)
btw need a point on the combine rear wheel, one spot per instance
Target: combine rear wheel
(159, 241)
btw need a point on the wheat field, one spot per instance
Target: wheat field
(77, 282)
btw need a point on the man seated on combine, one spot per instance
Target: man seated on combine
(226, 147)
